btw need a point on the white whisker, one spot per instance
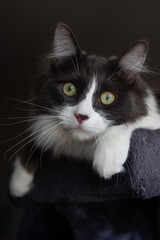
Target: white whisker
(74, 66)
(49, 128)
(32, 134)
(30, 103)
(16, 123)
(78, 68)
(15, 136)
(36, 145)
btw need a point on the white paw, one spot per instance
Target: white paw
(112, 152)
(21, 181)
(109, 161)
(107, 169)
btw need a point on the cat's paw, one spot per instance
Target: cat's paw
(107, 169)
(109, 162)
(21, 181)
(112, 152)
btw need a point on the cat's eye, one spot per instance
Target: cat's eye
(107, 98)
(69, 89)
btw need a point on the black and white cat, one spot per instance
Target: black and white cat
(86, 107)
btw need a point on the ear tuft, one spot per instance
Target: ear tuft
(65, 44)
(134, 58)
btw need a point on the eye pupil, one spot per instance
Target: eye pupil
(70, 88)
(108, 97)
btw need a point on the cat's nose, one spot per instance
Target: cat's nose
(81, 117)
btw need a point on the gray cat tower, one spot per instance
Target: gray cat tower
(70, 201)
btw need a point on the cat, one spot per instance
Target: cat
(86, 107)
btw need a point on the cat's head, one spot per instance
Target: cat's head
(83, 95)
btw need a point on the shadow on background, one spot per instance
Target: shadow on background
(27, 27)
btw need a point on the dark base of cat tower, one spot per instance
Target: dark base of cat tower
(70, 201)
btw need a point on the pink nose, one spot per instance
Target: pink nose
(81, 118)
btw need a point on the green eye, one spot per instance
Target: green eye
(69, 89)
(107, 98)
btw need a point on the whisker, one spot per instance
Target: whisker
(110, 78)
(13, 118)
(78, 68)
(74, 66)
(21, 103)
(35, 144)
(40, 160)
(4, 155)
(15, 136)
(30, 103)
(24, 144)
(32, 134)
(117, 180)
(45, 137)
(44, 148)
(21, 148)
(130, 178)
(16, 123)
(30, 110)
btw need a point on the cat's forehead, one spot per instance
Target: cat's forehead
(93, 61)
(96, 65)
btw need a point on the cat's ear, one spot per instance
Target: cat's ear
(65, 44)
(133, 59)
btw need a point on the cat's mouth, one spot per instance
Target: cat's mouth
(80, 132)
(80, 128)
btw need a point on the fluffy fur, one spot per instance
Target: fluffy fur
(103, 135)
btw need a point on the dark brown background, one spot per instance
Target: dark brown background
(104, 27)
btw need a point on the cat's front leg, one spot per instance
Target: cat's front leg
(22, 176)
(112, 151)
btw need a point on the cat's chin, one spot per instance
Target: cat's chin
(80, 134)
